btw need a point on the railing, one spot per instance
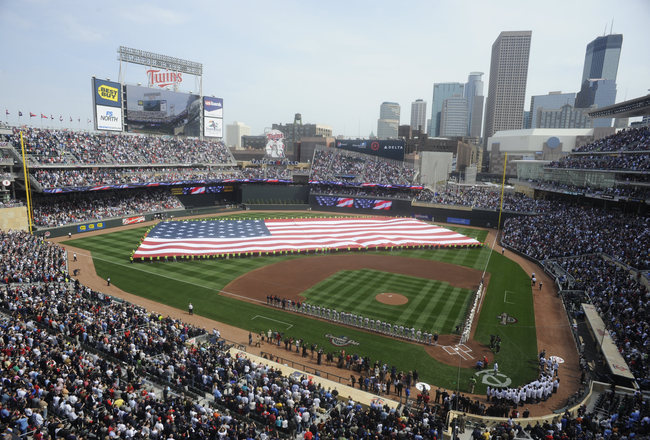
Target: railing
(306, 368)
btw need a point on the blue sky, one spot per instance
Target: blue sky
(335, 62)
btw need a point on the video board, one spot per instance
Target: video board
(107, 105)
(390, 149)
(164, 112)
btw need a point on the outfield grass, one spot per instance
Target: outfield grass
(432, 305)
(198, 281)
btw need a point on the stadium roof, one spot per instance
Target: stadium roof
(544, 132)
(626, 109)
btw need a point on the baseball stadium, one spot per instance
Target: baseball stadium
(160, 278)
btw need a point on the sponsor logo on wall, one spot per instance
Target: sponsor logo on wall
(132, 220)
(90, 227)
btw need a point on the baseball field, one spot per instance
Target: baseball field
(436, 287)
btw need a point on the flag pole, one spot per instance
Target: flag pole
(503, 184)
(27, 186)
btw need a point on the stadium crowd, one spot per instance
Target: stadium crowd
(577, 237)
(482, 197)
(621, 301)
(49, 146)
(336, 165)
(25, 258)
(627, 162)
(573, 231)
(82, 365)
(88, 177)
(635, 192)
(631, 139)
(50, 212)
(80, 177)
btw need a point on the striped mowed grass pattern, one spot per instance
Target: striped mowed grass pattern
(432, 305)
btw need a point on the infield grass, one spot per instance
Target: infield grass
(432, 305)
(198, 281)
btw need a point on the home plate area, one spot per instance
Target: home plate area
(461, 350)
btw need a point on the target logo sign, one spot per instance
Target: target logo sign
(374, 146)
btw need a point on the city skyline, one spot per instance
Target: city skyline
(336, 76)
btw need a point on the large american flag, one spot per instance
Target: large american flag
(181, 238)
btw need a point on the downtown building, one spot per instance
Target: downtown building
(441, 92)
(234, 132)
(554, 100)
(475, 102)
(388, 122)
(454, 117)
(566, 116)
(598, 83)
(507, 86)
(419, 115)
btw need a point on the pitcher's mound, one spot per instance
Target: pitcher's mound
(392, 299)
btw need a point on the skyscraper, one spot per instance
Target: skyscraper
(442, 91)
(453, 117)
(598, 85)
(554, 100)
(508, 76)
(418, 115)
(475, 100)
(601, 58)
(597, 93)
(388, 122)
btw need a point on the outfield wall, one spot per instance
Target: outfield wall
(79, 228)
(461, 215)
(274, 194)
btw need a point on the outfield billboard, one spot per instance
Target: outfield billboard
(165, 112)
(213, 107)
(107, 93)
(390, 149)
(108, 118)
(107, 105)
(213, 127)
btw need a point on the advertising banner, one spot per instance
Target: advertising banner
(390, 149)
(203, 190)
(90, 227)
(213, 127)
(107, 93)
(352, 202)
(108, 118)
(132, 220)
(213, 107)
(458, 221)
